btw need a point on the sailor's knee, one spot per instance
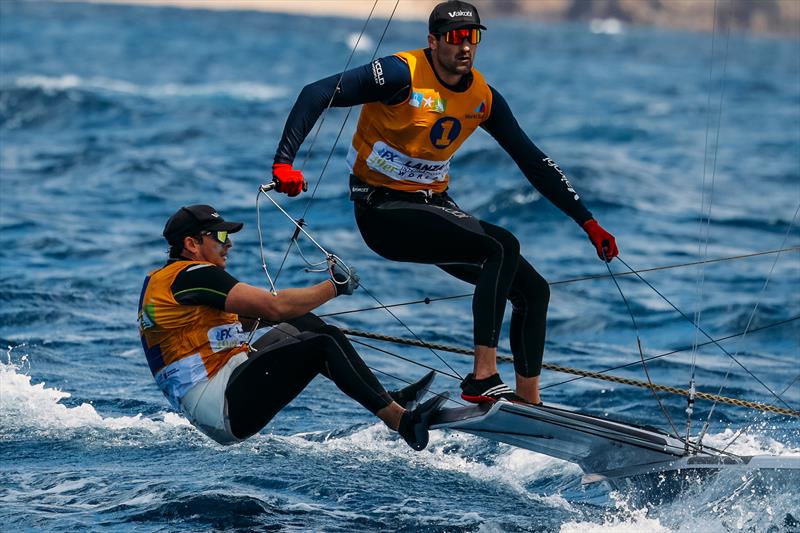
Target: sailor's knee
(510, 244)
(543, 290)
(505, 244)
(531, 291)
(332, 335)
(307, 322)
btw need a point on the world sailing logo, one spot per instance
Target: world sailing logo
(479, 111)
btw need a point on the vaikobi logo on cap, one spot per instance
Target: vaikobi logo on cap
(459, 13)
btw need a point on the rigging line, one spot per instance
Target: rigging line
(319, 128)
(713, 176)
(641, 353)
(735, 437)
(743, 430)
(344, 122)
(428, 300)
(703, 331)
(261, 244)
(700, 253)
(397, 318)
(679, 350)
(749, 323)
(350, 109)
(434, 393)
(338, 82)
(707, 237)
(370, 294)
(298, 226)
(789, 386)
(402, 358)
(585, 373)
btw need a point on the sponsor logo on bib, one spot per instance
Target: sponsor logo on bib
(399, 166)
(226, 336)
(427, 99)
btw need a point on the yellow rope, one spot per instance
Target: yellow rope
(585, 373)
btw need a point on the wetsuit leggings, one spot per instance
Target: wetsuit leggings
(284, 363)
(437, 232)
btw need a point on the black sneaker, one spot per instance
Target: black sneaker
(488, 390)
(414, 424)
(409, 397)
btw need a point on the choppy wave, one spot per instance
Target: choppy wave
(108, 126)
(35, 407)
(240, 90)
(38, 411)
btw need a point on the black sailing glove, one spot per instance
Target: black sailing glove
(344, 281)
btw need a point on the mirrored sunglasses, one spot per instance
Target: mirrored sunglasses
(219, 236)
(473, 35)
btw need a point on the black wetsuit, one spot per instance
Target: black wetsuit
(285, 359)
(432, 229)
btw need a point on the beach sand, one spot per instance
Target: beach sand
(407, 9)
(779, 17)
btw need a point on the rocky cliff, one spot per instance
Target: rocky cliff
(756, 16)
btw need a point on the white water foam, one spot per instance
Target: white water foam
(240, 90)
(755, 442)
(620, 520)
(512, 468)
(717, 506)
(727, 503)
(25, 406)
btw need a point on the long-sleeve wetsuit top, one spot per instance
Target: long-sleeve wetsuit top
(363, 84)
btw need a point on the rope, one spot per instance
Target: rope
(579, 372)
(747, 327)
(428, 300)
(641, 351)
(701, 251)
(686, 348)
(344, 122)
(709, 337)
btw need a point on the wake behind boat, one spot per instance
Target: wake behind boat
(655, 464)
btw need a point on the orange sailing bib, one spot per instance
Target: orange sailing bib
(408, 146)
(184, 344)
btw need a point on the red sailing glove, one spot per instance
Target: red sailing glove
(287, 180)
(605, 243)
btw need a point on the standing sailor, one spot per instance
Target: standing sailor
(197, 346)
(419, 107)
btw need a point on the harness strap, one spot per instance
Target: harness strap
(370, 196)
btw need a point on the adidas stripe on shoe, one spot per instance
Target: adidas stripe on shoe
(488, 390)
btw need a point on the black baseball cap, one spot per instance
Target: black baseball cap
(453, 15)
(193, 219)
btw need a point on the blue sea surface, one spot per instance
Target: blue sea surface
(112, 117)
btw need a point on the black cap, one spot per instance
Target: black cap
(193, 219)
(453, 15)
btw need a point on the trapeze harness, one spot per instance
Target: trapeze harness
(188, 339)
(410, 126)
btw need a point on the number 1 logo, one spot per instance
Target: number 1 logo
(445, 131)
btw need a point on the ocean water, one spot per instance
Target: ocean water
(112, 117)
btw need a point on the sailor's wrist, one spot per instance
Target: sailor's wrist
(333, 288)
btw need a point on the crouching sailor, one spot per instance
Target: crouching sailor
(197, 345)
